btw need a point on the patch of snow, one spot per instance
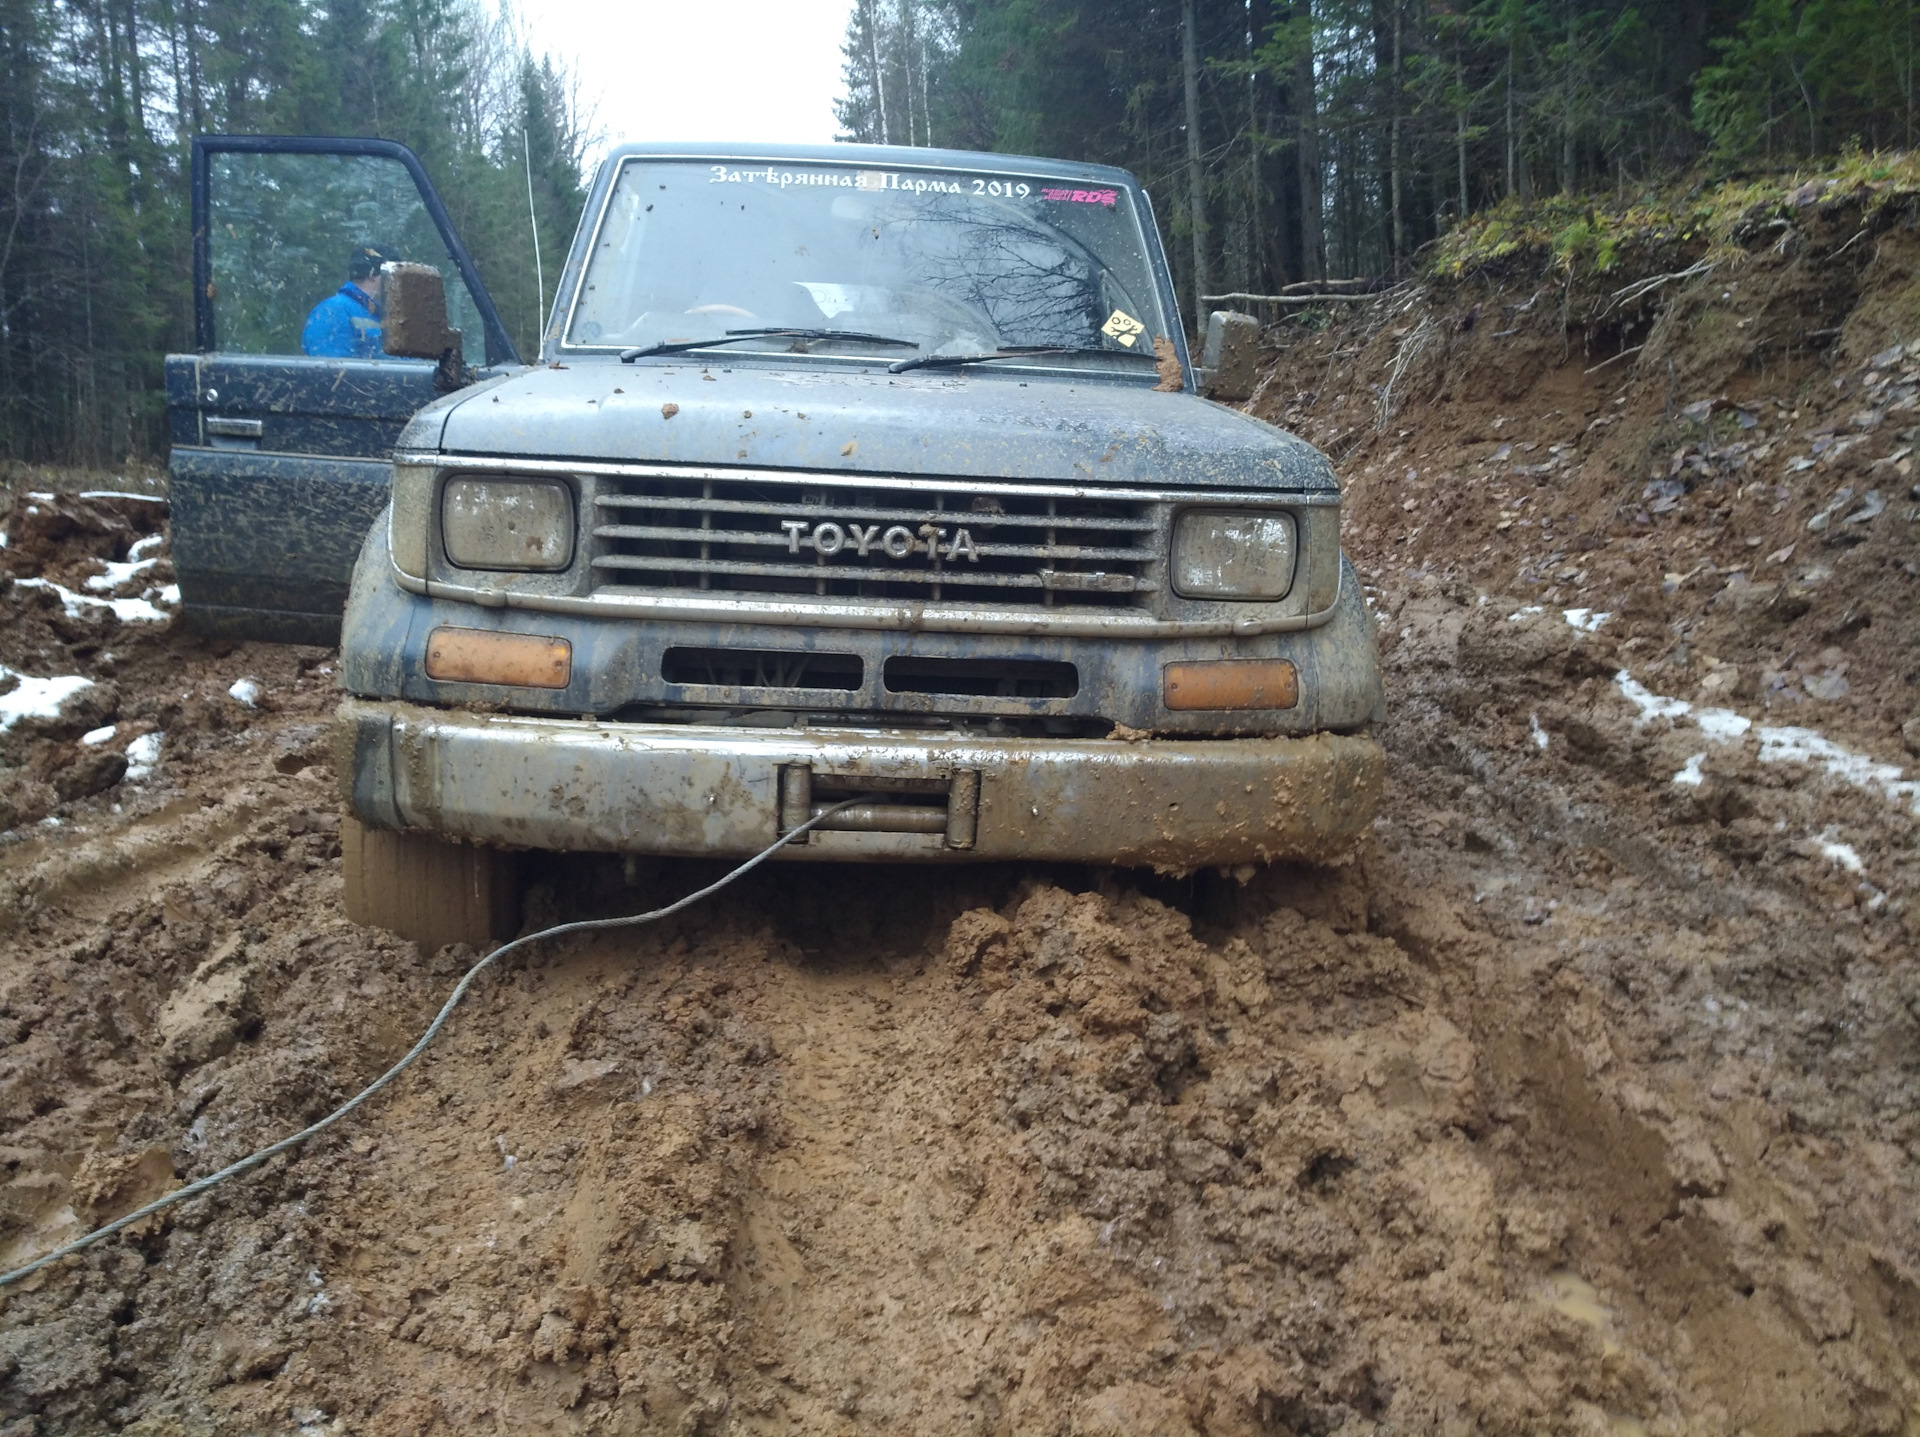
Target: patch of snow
(1722, 725)
(1587, 621)
(1841, 855)
(1803, 745)
(115, 574)
(1777, 745)
(170, 596)
(3, 538)
(118, 494)
(99, 735)
(143, 756)
(245, 691)
(1650, 704)
(1692, 776)
(41, 495)
(1540, 738)
(142, 547)
(127, 611)
(1527, 613)
(37, 698)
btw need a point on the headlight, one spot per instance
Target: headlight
(498, 524)
(1222, 555)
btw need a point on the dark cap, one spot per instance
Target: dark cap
(366, 259)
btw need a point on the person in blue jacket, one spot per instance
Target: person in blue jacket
(346, 324)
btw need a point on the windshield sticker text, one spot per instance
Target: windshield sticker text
(871, 180)
(1082, 197)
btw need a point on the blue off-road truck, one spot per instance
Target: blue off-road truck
(842, 471)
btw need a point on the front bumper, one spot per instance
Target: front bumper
(704, 791)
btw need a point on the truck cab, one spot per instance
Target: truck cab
(843, 473)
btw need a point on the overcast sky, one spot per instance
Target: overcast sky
(699, 69)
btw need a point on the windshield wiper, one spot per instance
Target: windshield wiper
(733, 336)
(1017, 351)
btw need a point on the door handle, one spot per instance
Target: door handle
(237, 428)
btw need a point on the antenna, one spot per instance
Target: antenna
(540, 276)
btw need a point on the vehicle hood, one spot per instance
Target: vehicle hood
(867, 421)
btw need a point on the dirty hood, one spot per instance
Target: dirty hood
(867, 421)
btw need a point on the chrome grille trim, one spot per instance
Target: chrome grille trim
(692, 607)
(855, 539)
(1058, 581)
(1042, 488)
(779, 541)
(842, 511)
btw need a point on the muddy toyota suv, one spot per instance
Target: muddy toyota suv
(843, 471)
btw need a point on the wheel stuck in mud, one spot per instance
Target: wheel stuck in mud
(425, 889)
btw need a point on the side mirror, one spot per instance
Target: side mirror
(415, 326)
(1230, 361)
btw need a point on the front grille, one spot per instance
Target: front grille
(762, 669)
(873, 541)
(986, 678)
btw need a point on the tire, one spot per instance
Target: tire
(426, 889)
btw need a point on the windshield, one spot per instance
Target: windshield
(955, 263)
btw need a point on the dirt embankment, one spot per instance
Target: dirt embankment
(1582, 1101)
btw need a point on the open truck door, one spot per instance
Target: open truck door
(281, 457)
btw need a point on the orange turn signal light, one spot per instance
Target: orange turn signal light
(481, 656)
(1233, 684)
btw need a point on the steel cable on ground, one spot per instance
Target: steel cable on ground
(254, 1160)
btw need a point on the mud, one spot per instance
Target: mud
(1583, 1101)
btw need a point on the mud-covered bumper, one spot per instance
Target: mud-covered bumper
(581, 784)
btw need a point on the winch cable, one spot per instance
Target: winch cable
(585, 925)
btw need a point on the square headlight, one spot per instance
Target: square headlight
(1219, 554)
(523, 524)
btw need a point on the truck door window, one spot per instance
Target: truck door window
(287, 232)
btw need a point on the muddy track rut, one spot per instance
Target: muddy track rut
(1583, 1100)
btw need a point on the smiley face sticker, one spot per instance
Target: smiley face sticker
(1123, 327)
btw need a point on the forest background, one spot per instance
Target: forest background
(99, 100)
(1285, 142)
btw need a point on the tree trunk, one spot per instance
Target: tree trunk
(926, 106)
(906, 59)
(191, 25)
(873, 60)
(1907, 88)
(1255, 181)
(1396, 159)
(1460, 139)
(136, 80)
(1313, 240)
(1512, 140)
(1196, 190)
(1568, 154)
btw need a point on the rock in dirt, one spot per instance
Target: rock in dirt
(50, 531)
(76, 771)
(205, 1017)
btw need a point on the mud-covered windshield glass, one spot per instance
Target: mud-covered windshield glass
(956, 263)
